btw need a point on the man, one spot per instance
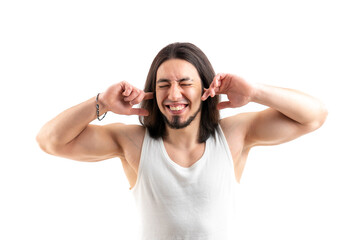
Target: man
(182, 163)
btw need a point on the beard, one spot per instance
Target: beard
(175, 122)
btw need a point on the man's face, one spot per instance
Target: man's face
(178, 92)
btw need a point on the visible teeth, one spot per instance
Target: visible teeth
(177, 108)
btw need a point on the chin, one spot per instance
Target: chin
(176, 123)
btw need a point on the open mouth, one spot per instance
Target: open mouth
(177, 108)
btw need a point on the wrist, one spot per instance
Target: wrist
(256, 90)
(102, 103)
(100, 110)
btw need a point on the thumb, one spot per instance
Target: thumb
(222, 105)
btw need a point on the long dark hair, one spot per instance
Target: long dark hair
(209, 114)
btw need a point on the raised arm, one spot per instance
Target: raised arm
(71, 135)
(290, 113)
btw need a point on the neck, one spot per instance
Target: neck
(184, 137)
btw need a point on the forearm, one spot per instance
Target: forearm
(68, 125)
(296, 105)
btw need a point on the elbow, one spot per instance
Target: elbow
(45, 143)
(319, 119)
(323, 113)
(42, 143)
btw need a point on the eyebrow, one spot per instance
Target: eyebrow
(180, 80)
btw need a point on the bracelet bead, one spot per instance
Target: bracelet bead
(98, 109)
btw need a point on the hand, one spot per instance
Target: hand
(238, 91)
(120, 98)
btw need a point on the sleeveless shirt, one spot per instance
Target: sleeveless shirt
(175, 202)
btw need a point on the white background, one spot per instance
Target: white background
(55, 54)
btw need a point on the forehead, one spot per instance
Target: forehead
(175, 69)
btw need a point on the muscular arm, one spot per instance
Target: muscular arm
(71, 135)
(291, 114)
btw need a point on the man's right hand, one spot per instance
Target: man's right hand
(121, 97)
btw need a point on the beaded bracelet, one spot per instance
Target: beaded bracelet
(97, 109)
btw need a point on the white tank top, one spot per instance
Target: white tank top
(175, 202)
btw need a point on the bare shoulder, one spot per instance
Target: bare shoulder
(128, 135)
(130, 138)
(236, 127)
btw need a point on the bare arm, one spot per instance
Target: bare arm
(71, 135)
(290, 114)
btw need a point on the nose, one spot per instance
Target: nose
(175, 93)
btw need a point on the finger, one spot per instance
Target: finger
(213, 82)
(127, 89)
(215, 85)
(149, 95)
(138, 99)
(216, 82)
(205, 94)
(217, 76)
(138, 111)
(134, 94)
(222, 105)
(217, 79)
(222, 75)
(212, 92)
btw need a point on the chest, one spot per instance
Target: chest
(184, 157)
(206, 173)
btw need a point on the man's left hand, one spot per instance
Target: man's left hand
(238, 91)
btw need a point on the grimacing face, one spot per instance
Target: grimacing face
(178, 92)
